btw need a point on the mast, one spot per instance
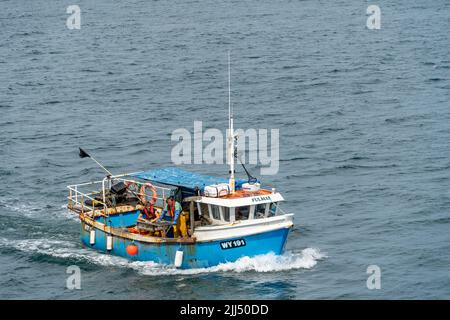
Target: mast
(230, 131)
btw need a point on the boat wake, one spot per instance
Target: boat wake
(33, 211)
(270, 262)
(62, 249)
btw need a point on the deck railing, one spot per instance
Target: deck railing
(78, 196)
(79, 193)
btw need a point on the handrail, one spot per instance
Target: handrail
(103, 185)
(82, 204)
(99, 181)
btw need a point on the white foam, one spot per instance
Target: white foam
(63, 249)
(270, 262)
(66, 214)
(30, 210)
(19, 207)
(306, 259)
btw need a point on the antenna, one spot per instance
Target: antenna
(229, 92)
(231, 132)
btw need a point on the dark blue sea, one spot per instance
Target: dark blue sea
(364, 126)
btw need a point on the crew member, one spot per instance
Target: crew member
(148, 213)
(171, 212)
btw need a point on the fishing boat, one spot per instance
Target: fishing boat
(221, 219)
(215, 228)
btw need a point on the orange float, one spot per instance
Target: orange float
(132, 249)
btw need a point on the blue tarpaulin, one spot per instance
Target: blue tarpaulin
(177, 177)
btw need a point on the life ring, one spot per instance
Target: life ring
(130, 185)
(142, 194)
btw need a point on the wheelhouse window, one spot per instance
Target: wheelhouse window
(273, 209)
(242, 213)
(226, 214)
(260, 211)
(203, 209)
(215, 212)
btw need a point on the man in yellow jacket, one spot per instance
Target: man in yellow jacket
(171, 212)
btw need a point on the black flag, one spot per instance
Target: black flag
(83, 154)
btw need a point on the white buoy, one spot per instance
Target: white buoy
(251, 186)
(92, 237)
(178, 259)
(109, 242)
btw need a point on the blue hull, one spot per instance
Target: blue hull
(196, 255)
